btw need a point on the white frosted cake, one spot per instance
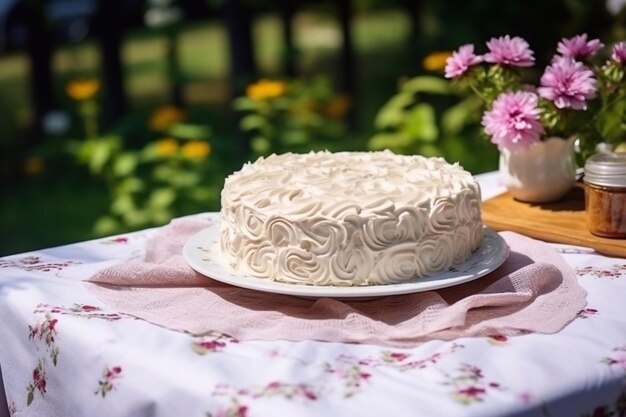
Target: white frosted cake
(349, 218)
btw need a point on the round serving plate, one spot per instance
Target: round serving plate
(202, 253)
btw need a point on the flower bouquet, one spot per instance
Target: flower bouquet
(580, 98)
(579, 94)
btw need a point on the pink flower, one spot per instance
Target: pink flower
(619, 53)
(398, 356)
(39, 379)
(52, 324)
(461, 60)
(578, 47)
(499, 338)
(513, 121)
(274, 385)
(310, 394)
(212, 345)
(473, 392)
(509, 51)
(242, 411)
(110, 374)
(568, 84)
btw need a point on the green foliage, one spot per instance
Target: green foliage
(150, 185)
(298, 115)
(413, 121)
(610, 118)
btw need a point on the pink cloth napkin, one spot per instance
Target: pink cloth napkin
(533, 291)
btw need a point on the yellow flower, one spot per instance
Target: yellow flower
(166, 147)
(166, 116)
(266, 89)
(196, 150)
(33, 165)
(338, 107)
(83, 89)
(436, 61)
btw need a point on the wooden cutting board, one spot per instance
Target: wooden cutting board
(563, 221)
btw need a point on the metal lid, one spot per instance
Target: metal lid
(606, 169)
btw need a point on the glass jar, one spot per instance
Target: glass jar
(605, 194)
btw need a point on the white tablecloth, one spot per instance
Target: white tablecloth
(63, 353)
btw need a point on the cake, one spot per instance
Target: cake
(349, 218)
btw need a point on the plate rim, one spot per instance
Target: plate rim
(196, 248)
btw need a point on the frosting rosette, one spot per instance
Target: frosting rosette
(349, 218)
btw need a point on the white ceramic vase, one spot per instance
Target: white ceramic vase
(543, 173)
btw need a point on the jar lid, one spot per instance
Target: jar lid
(606, 169)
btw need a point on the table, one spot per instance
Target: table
(63, 353)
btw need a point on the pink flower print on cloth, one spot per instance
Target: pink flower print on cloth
(615, 271)
(108, 381)
(238, 397)
(36, 263)
(211, 343)
(587, 312)
(469, 384)
(618, 358)
(46, 331)
(38, 383)
(81, 310)
(119, 240)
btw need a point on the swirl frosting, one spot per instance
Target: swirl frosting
(349, 218)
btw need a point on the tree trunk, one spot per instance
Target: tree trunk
(173, 68)
(109, 35)
(287, 11)
(39, 49)
(412, 8)
(243, 68)
(347, 70)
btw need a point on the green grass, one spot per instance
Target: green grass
(45, 212)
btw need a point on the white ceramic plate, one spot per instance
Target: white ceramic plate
(202, 253)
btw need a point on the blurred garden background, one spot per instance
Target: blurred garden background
(119, 115)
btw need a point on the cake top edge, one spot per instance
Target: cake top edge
(367, 178)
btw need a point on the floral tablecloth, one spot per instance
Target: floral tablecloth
(63, 353)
